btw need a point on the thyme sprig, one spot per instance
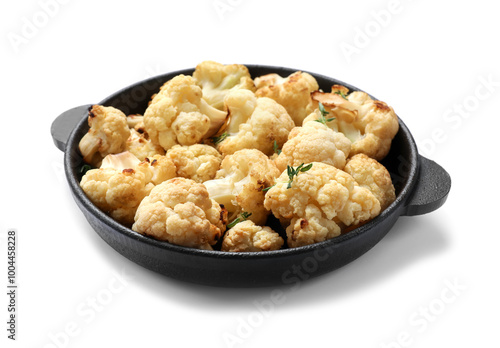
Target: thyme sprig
(324, 113)
(243, 216)
(292, 173)
(219, 138)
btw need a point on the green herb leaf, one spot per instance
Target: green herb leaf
(85, 168)
(324, 113)
(219, 139)
(306, 168)
(276, 148)
(295, 172)
(292, 173)
(322, 110)
(341, 94)
(243, 216)
(268, 188)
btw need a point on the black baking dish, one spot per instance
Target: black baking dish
(421, 187)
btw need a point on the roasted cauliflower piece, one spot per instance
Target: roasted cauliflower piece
(180, 211)
(311, 228)
(253, 123)
(239, 183)
(369, 124)
(196, 162)
(293, 92)
(247, 236)
(372, 175)
(136, 122)
(108, 134)
(161, 168)
(179, 115)
(142, 147)
(314, 142)
(121, 183)
(317, 201)
(216, 80)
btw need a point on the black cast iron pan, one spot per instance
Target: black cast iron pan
(421, 187)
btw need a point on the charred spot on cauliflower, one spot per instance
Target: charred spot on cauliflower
(141, 147)
(312, 228)
(180, 212)
(293, 92)
(161, 168)
(216, 80)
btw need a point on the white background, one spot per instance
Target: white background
(425, 59)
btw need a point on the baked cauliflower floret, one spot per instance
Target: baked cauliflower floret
(369, 124)
(247, 236)
(179, 115)
(239, 183)
(180, 211)
(108, 134)
(196, 162)
(161, 168)
(118, 186)
(316, 199)
(293, 92)
(312, 228)
(374, 176)
(314, 142)
(216, 80)
(142, 147)
(253, 123)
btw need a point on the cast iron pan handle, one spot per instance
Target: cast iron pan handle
(64, 124)
(431, 190)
